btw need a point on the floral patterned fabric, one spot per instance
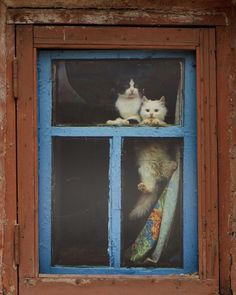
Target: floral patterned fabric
(148, 237)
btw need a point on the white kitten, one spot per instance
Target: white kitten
(153, 112)
(128, 105)
(155, 165)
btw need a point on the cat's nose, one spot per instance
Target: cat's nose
(151, 115)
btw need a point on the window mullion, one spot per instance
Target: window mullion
(115, 201)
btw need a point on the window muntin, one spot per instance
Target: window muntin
(117, 135)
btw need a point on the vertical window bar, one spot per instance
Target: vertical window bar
(45, 160)
(190, 169)
(114, 223)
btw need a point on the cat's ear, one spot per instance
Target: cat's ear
(144, 99)
(162, 99)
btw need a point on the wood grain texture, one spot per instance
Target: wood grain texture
(117, 37)
(56, 285)
(232, 95)
(10, 270)
(124, 4)
(224, 130)
(168, 16)
(207, 156)
(26, 130)
(3, 93)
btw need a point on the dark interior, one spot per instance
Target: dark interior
(85, 91)
(80, 201)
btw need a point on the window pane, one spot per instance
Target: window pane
(80, 201)
(98, 91)
(152, 223)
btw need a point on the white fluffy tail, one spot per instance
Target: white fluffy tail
(144, 204)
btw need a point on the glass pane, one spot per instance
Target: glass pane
(118, 91)
(152, 219)
(80, 201)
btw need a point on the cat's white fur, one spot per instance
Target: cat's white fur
(128, 105)
(153, 112)
(155, 165)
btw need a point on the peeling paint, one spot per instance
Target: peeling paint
(83, 282)
(114, 3)
(30, 282)
(116, 16)
(11, 291)
(2, 132)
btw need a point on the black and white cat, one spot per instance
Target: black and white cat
(128, 104)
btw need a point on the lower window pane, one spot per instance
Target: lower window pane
(80, 201)
(152, 223)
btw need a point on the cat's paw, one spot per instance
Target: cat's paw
(143, 188)
(168, 168)
(174, 165)
(125, 122)
(158, 122)
(110, 122)
(118, 122)
(145, 122)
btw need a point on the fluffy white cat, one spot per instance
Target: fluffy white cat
(155, 166)
(128, 105)
(153, 112)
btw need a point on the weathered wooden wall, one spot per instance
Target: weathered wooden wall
(2, 130)
(220, 14)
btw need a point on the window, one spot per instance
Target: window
(72, 138)
(102, 207)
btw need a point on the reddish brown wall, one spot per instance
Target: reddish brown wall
(2, 130)
(219, 13)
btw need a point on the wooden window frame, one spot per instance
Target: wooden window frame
(29, 38)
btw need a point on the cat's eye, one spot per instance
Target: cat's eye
(156, 110)
(147, 110)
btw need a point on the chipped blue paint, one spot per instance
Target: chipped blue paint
(46, 132)
(172, 131)
(44, 149)
(190, 170)
(112, 270)
(115, 201)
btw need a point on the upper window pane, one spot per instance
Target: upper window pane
(135, 88)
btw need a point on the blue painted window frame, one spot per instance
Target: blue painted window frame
(187, 132)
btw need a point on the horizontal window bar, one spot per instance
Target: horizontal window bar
(172, 131)
(117, 271)
(114, 54)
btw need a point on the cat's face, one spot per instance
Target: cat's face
(132, 91)
(153, 109)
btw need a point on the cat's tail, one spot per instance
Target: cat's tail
(144, 204)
